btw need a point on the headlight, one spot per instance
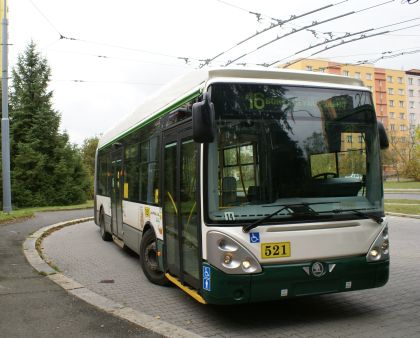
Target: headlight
(228, 255)
(379, 250)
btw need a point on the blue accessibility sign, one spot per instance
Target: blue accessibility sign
(206, 278)
(254, 237)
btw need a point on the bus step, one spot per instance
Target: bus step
(191, 292)
(118, 241)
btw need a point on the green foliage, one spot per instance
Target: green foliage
(46, 169)
(88, 151)
(412, 169)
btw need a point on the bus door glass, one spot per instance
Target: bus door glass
(116, 192)
(180, 208)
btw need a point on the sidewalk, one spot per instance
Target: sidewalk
(34, 306)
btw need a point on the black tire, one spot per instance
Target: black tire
(149, 259)
(106, 236)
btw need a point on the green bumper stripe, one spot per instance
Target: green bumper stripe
(282, 281)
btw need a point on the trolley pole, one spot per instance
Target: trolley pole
(5, 138)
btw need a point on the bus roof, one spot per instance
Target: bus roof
(189, 86)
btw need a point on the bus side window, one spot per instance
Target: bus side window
(149, 171)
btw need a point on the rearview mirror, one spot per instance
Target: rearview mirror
(383, 137)
(203, 120)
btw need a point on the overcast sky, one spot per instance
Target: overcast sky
(154, 36)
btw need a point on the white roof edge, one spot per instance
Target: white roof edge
(193, 81)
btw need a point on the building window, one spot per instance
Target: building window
(401, 91)
(411, 104)
(402, 127)
(412, 117)
(370, 88)
(390, 91)
(403, 139)
(391, 103)
(410, 80)
(349, 138)
(381, 109)
(368, 76)
(321, 69)
(345, 72)
(410, 92)
(389, 79)
(400, 80)
(392, 115)
(357, 75)
(392, 126)
(309, 68)
(401, 104)
(402, 116)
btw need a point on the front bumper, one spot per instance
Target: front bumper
(290, 280)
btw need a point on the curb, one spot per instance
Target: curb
(402, 215)
(78, 290)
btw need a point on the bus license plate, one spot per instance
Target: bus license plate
(275, 250)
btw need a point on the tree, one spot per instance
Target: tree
(413, 165)
(88, 155)
(46, 169)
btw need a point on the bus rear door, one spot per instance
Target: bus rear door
(116, 192)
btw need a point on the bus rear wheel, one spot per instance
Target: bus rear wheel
(149, 259)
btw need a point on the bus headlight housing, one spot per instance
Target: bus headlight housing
(379, 250)
(228, 255)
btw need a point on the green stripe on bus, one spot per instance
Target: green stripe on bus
(153, 118)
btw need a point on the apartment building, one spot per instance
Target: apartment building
(413, 99)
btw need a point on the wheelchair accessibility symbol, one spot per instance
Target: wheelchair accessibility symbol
(254, 237)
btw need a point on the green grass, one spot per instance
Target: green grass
(29, 212)
(403, 206)
(401, 185)
(403, 201)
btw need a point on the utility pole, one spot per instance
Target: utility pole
(5, 138)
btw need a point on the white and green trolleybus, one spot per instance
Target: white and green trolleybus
(241, 185)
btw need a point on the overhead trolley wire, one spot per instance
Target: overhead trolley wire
(315, 23)
(69, 38)
(108, 57)
(108, 82)
(278, 24)
(343, 43)
(340, 38)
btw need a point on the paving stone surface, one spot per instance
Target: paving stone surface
(31, 305)
(390, 311)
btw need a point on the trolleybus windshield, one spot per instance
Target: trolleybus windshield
(289, 145)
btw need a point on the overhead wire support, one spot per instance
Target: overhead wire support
(315, 23)
(343, 43)
(331, 47)
(294, 31)
(343, 37)
(392, 56)
(273, 25)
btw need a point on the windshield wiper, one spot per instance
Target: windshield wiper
(358, 212)
(297, 209)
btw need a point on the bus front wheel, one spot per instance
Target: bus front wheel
(149, 259)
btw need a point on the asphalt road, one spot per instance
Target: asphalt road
(411, 196)
(33, 306)
(390, 311)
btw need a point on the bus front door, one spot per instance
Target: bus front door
(180, 216)
(116, 193)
